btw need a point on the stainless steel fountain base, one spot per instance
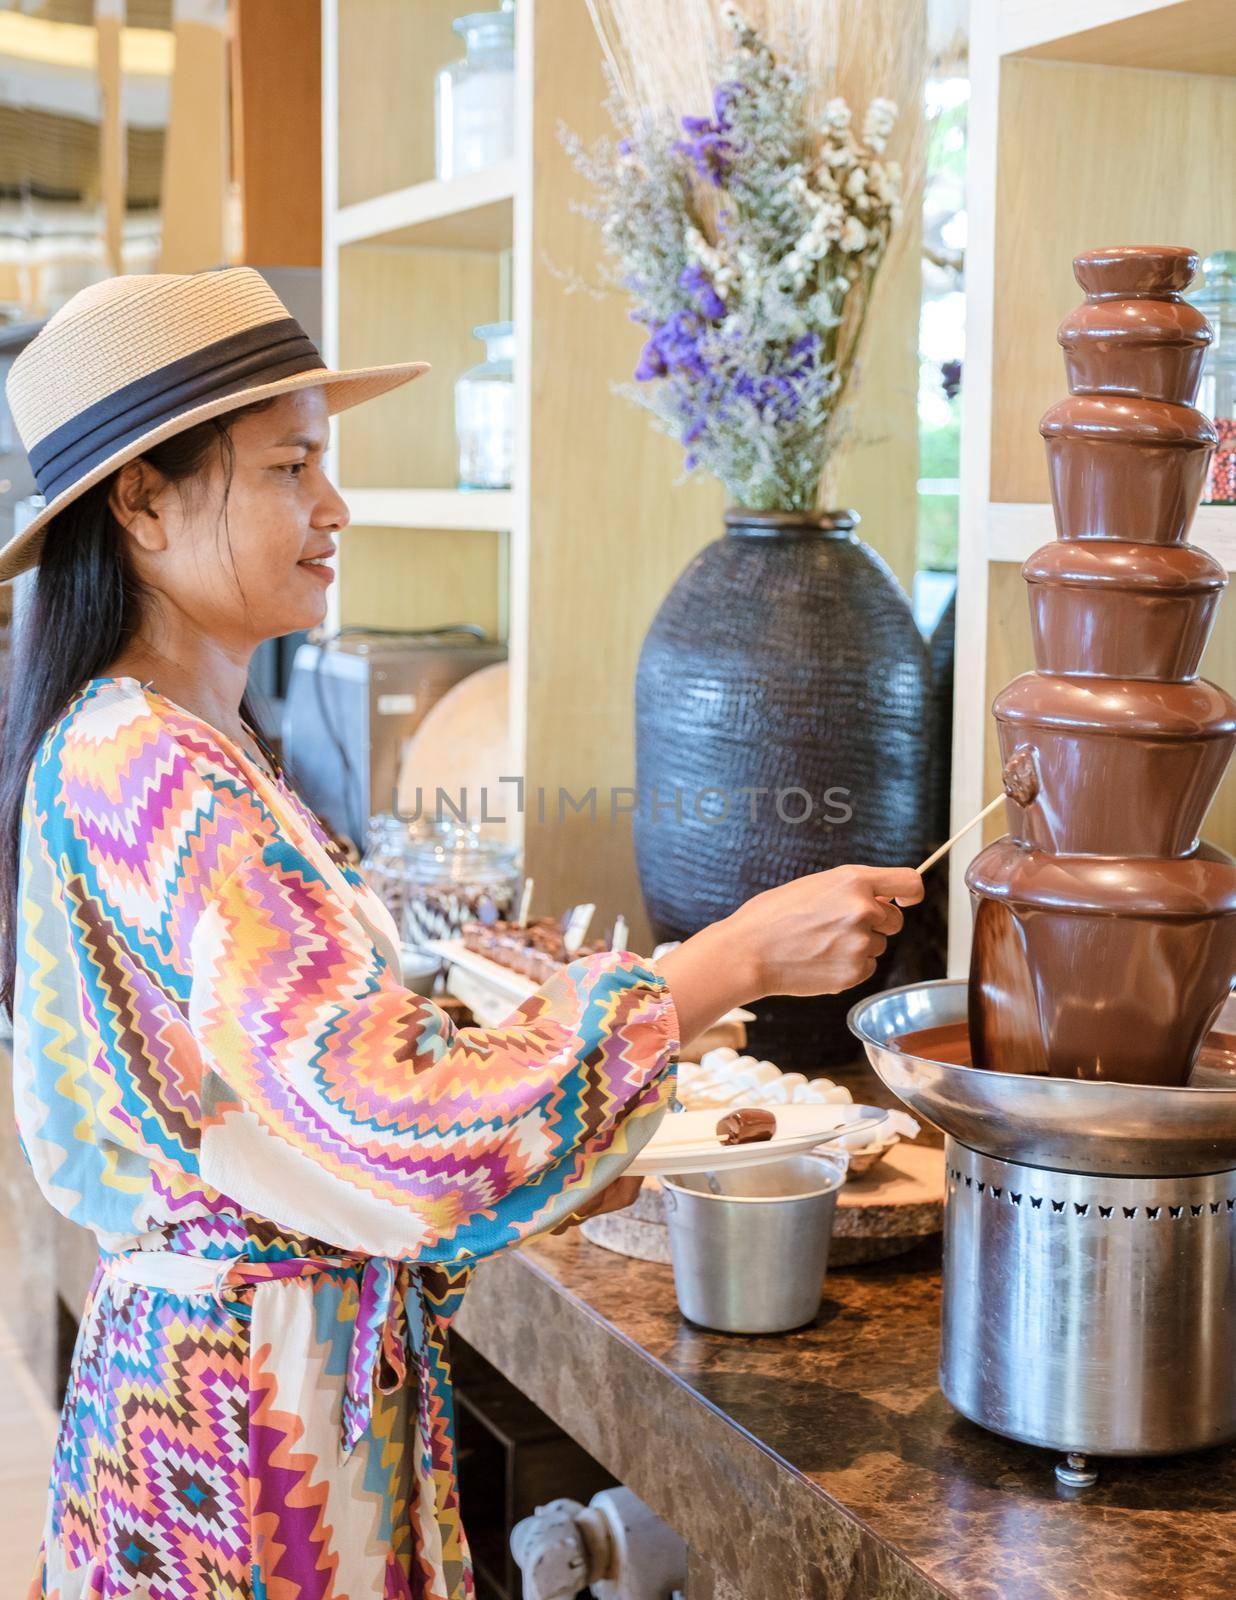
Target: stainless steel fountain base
(1094, 1315)
(1089, 1245)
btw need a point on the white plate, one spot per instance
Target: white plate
(686, 1141)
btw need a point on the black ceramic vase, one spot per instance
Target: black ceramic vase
(783, 725)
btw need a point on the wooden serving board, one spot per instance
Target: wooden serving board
(893, 1208)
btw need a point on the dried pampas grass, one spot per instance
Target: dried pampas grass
(665, 55)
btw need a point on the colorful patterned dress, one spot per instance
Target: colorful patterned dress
(290, 1162)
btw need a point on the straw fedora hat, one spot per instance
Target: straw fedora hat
(131, 360)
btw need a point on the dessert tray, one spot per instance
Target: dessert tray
(499, 982)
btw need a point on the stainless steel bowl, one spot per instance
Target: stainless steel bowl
(1119, 1129)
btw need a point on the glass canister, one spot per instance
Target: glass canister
(485, 412)
(1216, 300)
(383, 864)
(476, 96)
(450, 873)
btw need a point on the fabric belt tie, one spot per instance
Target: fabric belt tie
(378, 1356)
(378, 1360)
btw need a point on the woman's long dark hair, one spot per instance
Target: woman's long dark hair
(85, 607)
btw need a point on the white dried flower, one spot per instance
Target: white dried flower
(807, 209)
(881, 184)
(836, 115)
(838, 157)
(853, 235)
(699, 248)
(880, 119)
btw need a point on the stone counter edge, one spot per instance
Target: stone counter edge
(771, 1532)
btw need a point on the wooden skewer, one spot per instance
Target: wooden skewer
(973, 823)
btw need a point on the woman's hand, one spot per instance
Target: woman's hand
(815, 935)
(616, 1196)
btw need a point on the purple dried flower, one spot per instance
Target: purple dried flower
(709, 152)
(723, 97)
(707, 301)
(777, 391)
(709, 147)
(651, 363)
(673, 348)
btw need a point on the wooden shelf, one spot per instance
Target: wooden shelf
(469, 213)
(1015, 532)
(1185, 36)
(481, 509)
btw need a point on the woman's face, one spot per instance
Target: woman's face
(239, 573)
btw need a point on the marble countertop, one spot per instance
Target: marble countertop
(826, 1463)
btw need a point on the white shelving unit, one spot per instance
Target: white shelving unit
(490, 509)
(1015, 532)
(473, 212)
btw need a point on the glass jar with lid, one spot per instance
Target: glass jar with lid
(1216, 300)
(485, 412)
(475, 118)
(453, 874)
(383, 864)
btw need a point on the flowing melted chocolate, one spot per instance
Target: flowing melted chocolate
(950, 1043)
(1105, 928)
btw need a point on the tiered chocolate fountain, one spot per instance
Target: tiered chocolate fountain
(1090, 1232)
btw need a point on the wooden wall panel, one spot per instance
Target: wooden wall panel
(195, 158)
(277, 130)
(1188, 36)
(610, 527)
(399, 304)
(878, 476)
(388, 53)
(419, 578)
(1090, 156)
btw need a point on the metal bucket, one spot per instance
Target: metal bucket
(750, 1246)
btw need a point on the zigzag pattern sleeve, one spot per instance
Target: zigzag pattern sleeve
(341, 1103)
(196, 1003)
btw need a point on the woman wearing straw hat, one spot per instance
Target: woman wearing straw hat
(290, 1161)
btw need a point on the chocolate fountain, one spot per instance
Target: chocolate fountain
(1088, 1101)
(1114, 747)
